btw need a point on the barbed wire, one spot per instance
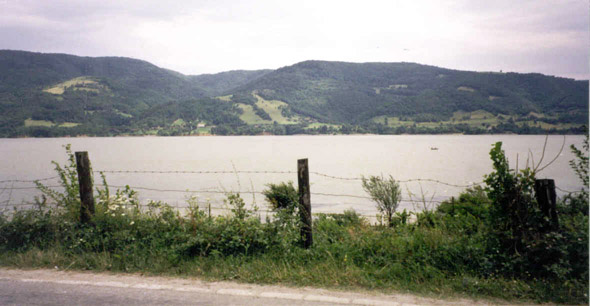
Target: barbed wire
(201, 207)
(336, 177)
(441, 182)
(339, 195)
(253, 192)
(181, 190)
(400, 181)
(276, 172)
(212, 191)
(32, 187)
(243, 192)
(567, 191)
(194, 172)
(29, 181)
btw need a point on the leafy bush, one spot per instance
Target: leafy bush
(69, 199)
(472, 201)
(282, 196)
(345, 219)
(522, 241)
(385, 192)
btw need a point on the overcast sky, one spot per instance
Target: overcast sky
(193, 37)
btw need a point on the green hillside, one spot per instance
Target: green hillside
(220, 83)
(99, 93)
(352, 93)
(58, 94)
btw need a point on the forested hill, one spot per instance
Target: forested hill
(19, 69)
(60, 94)
(355, 93)
(220, 83)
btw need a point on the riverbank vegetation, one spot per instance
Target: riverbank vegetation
(492, 242)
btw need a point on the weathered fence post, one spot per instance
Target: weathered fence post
(85, 183)
(304, 202)
(545, 193)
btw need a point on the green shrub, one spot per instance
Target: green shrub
(401, 218)
(521, 241)
(472, 201)
(67, 201)
(282, 196)
(385, 192)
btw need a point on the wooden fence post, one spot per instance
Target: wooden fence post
(85, 183)
(545, 193)
(304, 202)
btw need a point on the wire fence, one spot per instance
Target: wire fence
(8, 186)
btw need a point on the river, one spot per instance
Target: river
(209, 166)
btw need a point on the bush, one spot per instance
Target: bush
(472, 201)
(522, 241)
(385, 192)
(282, 196)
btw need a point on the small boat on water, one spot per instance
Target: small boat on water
(433, 148)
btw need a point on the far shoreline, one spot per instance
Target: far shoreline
(270, 135)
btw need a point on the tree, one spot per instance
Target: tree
(385, 192)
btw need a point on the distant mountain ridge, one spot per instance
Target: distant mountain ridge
(22, 69)
(340, 91)
(223, 82)
(61, 94)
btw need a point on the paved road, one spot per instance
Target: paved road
(53, 287)
(15, 292)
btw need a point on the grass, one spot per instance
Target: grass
(249, 116)
(351, 256)
(31, 123)
(122, 114)
(317, 125)
(465, 88)
(79, 83)
(225, 98)
(478, 118)
(204, 131)
(392, 86)
(537, 115)
(178, 122)
(547, 126)
(69, 124)
(298, 270)
(271, 107)
(397, 86)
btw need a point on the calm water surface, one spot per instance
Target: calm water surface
(459, 160)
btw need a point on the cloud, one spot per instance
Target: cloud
(211, 36)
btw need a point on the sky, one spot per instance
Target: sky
(195, 37)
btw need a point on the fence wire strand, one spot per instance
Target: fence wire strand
(30, 181)
(193, 172)
(212, 191)
(276, 172)
(567, 191)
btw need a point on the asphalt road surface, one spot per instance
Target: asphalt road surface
(54, 287)
(14, 292)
